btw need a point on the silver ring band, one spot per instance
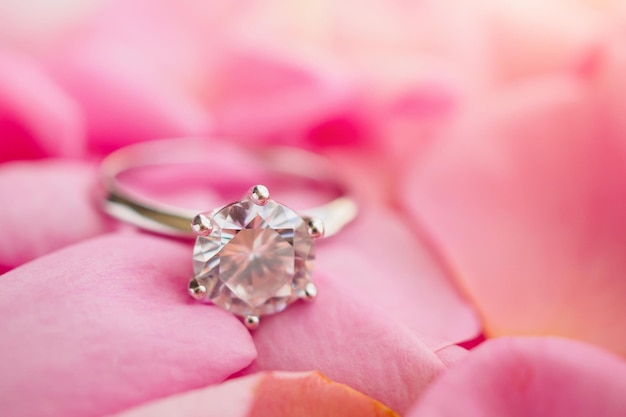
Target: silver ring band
(155, 216)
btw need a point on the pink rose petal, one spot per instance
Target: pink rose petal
(529, 378)
(350, 339)
(386, 261)
(451, 355)
(526, 199)
(275, 394)
(135, 82)
(107, 324)
(123, 107)
(281, 99)
(37, 118)
(46, 205)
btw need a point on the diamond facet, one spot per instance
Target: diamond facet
(257, 259)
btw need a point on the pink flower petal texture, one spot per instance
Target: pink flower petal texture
(46, 205)
(389, 263)
(37, 118)
(274, 394)
(350, 339)
(281, 99)
(134, 82)
(525, 198)
(107, 324)
(529, 377)
(533, 37)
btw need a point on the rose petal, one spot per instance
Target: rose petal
(273, 394)
(37, 119)
(387, 262)
(279, 99)
(385, 255)
(129, 96)
(104, 325)
(530, 377)
(451, 355)
(46, 205)
(350, 339)
(123, 107)
(525, 198)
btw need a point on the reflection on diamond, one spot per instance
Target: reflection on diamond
(256, 260)
(255, 264)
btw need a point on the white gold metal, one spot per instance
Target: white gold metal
(201, 224)
(310, 292)
(196, 290)
(252, 322)
(252, 257)
(259, 194)
(316, 227)
(158, 217)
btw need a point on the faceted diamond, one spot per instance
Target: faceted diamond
(255, 264)
(256, 260)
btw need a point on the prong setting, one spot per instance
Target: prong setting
(259, 194)
(196, 290)
(202, 225)
(251, 322)
(310, 292)
(315, 227)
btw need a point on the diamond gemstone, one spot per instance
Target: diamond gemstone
(257, 259)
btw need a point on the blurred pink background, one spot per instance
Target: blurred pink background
(485, 141)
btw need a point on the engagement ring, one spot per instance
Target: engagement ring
(252, 257)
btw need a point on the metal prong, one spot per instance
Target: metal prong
(316, 227)
(196, 290)
(259, 194)
(310, 292)
(251, 322)
(201, 225)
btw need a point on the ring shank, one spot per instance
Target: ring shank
(155, 216)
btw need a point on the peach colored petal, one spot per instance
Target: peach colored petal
(529, 377)
(534, 37)
(525, 199)
(107, 324)
(46, 205)
(275, 394)
(37, 118)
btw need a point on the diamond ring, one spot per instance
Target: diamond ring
(252, 257)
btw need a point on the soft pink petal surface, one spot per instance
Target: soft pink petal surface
(525, 197)
(46, 205)
(272, 394)
(37, 118)
(531, 377)
(389, 259)
(107, 324)
(351, 340)
(383, 257)
(134, 82)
